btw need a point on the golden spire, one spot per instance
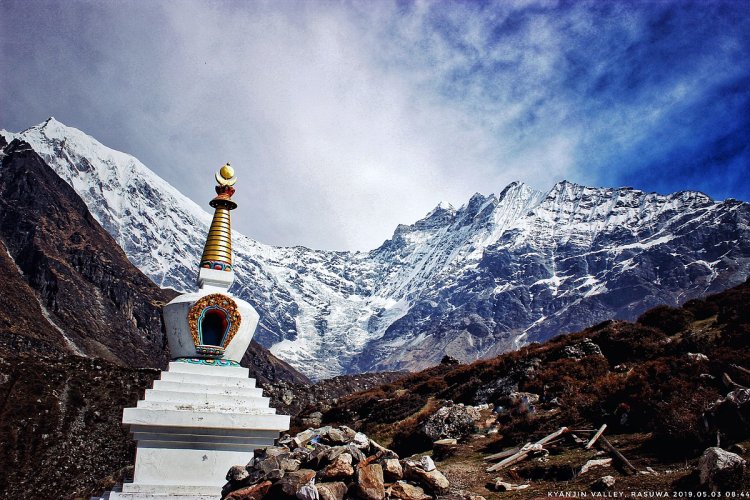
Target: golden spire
(217, 254)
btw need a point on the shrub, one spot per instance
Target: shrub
(667, 319)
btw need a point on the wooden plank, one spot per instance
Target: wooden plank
(526, 449)
(731, 383)
(516, 457)
(596, 436)
(502, 454)
(552, 436)
(617, 454)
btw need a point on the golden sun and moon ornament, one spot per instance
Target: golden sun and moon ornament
(217, 254)
(225, 176)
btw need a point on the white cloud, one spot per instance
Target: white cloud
(344, 119)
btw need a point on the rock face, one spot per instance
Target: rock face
(330, 463)
(471, 282)
(93, 299)
(721, 470)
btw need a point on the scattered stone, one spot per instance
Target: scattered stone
(720, 470)
(582, 349)
(291, 483)
(427, 464)
(288, 464)
(392, 470)
(356, 453)
(237, 473)
(433, 481)
(370, 484)
(308, 492)
(313, 420)
(697, 357)
(361, 441)
(340, 468)
(335, 436)
(604, 483)
(275, 474)
(332, 464)
(502, 485)
(331, 491)
(255, 492)
(405, 491)
(599, 462)
(444, 448)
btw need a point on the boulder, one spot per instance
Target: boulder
(433, 481)
(340, 468)
(729, 416)
(302, 438)
(308, 492)
(444, 448)
(361, 441)
(451, 422)
(336, 437)
(720, 470)
(237, 473)
(313, 420)
(582, 349)
(255, 492)
(406, 491)
(426, 463)
(289, 464)
(266, 465)
(369, 483)
(392, 470)
(290, 484)
(331, 491)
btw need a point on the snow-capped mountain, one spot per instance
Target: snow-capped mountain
(471, 282)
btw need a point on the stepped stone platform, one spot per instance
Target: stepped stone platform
(196, 422)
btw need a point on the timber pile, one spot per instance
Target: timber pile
(512, 456)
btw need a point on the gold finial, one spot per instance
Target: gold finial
(225, 176)
(217, 253)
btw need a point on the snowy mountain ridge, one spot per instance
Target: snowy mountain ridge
(470, 282)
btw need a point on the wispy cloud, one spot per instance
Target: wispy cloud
(346, 118)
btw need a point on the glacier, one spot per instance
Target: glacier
(492, 275)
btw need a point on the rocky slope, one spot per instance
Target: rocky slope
(76, 281)
(669, 387)
(471, 282)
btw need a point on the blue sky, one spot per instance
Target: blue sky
(345, 119)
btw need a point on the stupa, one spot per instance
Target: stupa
(203, 415)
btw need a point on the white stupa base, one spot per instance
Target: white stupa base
(196, 423)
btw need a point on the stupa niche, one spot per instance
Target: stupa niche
(204, 414)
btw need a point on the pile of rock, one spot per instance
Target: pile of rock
(331, 463)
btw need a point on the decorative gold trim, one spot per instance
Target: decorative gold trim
(214, 300)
